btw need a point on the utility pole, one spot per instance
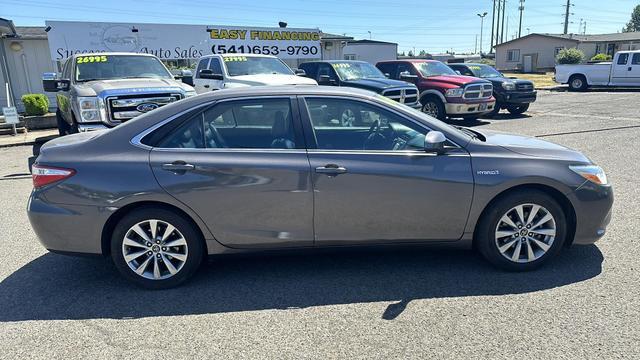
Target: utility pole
(493, 24)
(504, 8)
(521, 8)
(498, 23)
(584, 28)
(566, 16)
(481, 27)
(476, 49)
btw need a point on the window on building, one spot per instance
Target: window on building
(557, 51)
(513, 55)
(350, 57)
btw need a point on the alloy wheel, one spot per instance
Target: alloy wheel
(525, 233)
(576, 83)
(430, 109)
(154, 249)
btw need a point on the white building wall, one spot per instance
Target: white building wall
(542, 46)
(371, 53)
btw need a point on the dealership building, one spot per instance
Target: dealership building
(26, 52)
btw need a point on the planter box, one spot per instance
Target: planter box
(46, 121)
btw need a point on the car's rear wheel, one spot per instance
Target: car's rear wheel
(518, 109)
(63, 127)
(432, 106)
(156, 248)
(522, 231)
(496, 109)
(578, 83)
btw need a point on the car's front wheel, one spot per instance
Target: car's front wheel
(518, 109)
(522, 231)
(432, 106)
(156, 248)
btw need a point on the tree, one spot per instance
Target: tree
(410, 54)
(422, 53)
(634, 23)
(570, 56)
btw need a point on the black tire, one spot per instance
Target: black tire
(194, 244)
(435, 106)
(73, 129)
(518, 109)
(63, 126)
(485, 237)
(496, 109)
(578, 83)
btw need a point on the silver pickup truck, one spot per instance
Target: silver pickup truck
(102, 90)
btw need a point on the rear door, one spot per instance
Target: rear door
(374, 183)
(241, 165)
(620, 69)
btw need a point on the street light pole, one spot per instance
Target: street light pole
(481, 27)
(493, 25)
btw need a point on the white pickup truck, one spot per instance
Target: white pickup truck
(624, 71)
(216, 72)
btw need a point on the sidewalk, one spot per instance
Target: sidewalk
(26, 138)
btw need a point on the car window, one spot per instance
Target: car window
(463, 70)
(636, 59)
(623, 58)
(405, 68)
(201, 66)
(242, 124)
(341, 124)
(325, 69)
(215, 66)
(310, 69)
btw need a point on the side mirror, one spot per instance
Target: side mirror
(406, 76)
(325, 80)
(51, 83)
(208, 74)
(185, 75)
(458, 72)
(300, 72)
(386, 75)
(434, 142)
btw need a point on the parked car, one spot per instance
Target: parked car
(102, 90)
(362, 75)
(443, 93)
(220, 71)
(512, 94)
(623, 71)
(259, 168)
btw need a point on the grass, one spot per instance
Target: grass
(539, 80)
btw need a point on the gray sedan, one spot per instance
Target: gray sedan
(279, 168)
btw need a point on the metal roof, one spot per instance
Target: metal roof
(628, 36)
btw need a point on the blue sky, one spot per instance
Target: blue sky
(432, 25)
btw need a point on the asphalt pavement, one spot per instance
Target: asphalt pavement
(383, 304)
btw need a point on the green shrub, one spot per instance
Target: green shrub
(35, 104)
(601, 57)
(570, 56)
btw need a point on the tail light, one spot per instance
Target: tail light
(45, 175)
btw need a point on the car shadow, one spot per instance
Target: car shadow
(57, 287)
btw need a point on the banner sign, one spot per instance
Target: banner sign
(180, 41)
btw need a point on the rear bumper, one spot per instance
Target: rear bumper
(592, 204)
(463, 109)
(67, 228)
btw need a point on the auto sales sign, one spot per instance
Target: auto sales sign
(180, 41)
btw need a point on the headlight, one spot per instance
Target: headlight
(509, 85)
(90, 108)
(457, 92)
(190, 93)
(592, 173)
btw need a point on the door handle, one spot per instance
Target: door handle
(206, 86)
(331, 169)
(178, 166)
(629, 68)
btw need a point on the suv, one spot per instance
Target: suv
(512, 94)
(360, 74)
(443, 93)
(102, 90)
(215, 72)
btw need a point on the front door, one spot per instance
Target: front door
(373, 182)
(634, 71)
(242, 167)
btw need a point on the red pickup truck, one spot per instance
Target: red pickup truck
(443, 93)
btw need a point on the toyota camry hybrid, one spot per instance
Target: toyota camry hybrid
(246, 170)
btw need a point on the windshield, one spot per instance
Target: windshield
(434, 68)
(105, 67)
(357, 70)
(248, 65)
(484, 71)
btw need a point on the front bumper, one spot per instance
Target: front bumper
(516, 97)
(91, 127)
(592, 204)
(463, 109)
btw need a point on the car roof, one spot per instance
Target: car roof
(238, 54)
(112, 54)
(334, 62)
(289, 90)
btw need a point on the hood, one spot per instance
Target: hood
(455, 79)
(376, 84)
(93, 88)
(272, 79)
(531, 146)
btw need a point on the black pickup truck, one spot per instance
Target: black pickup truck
(360, 74)
(515, 95)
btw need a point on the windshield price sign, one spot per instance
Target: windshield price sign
(167, 41)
